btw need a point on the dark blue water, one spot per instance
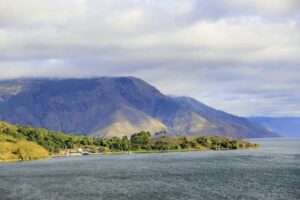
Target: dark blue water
(272, 172)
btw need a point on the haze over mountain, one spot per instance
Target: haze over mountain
(107, 107)
(285, 126)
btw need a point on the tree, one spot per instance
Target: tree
(193, 144)
(162, 145)
(125, 144)
(84, 141)
(115, 144)
(185, 143)
(69, 143)
(140, 140)
(204, 141)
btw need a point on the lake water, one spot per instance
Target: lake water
(271, 172)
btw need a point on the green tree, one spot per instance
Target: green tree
(162, 145)
(69, 143)
(125, 144)
(184, 143)
(115, 144)
(204, 141)
(140, 140)
(193, 144)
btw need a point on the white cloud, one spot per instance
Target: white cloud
(271, 7)
(227, 53)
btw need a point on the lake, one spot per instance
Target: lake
(271, 172)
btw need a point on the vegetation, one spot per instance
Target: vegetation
(25, 142)
(13, 149)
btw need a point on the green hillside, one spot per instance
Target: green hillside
(14, 149)
(53, 142)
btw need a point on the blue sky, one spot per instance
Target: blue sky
(239, 56)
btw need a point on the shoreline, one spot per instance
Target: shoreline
(19, 160)
(149, 151)
(124, 153)
(145, 152)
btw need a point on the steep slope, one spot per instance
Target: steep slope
(218, 122)
(109, 107)
(127, 121)
(285, 126)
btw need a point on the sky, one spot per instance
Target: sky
(241, 56)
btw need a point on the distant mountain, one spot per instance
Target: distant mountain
(107, 107)
(285, 126)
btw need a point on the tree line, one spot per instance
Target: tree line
(55, 142)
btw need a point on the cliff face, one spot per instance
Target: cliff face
(107, 107)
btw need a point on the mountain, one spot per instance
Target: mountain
(107, 107)
(285, 126)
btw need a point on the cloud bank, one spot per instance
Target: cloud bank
(239, 56)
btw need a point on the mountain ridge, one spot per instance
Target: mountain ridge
(104, 106)
(285, 126)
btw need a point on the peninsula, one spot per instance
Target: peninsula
(19, 143)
